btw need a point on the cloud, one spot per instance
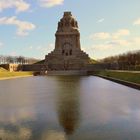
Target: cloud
(114, 42)
(120, 33)
(41, 50)
(100, 36)
(100, 20)
(102, 47)
(50, 3)
(20, 5)
(111, 45)
(135, 41)
(106, 35)
(131, 44)
(23, 27)
(46, 49)
(119, 43)
(137, 22)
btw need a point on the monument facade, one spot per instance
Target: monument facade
(67, 54)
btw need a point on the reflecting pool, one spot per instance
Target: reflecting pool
(68, 108)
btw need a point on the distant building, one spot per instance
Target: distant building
(67, 54)
(11, 67)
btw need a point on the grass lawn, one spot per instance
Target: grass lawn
(126, 76)
(6, 74)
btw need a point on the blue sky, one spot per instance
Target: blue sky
(107, 27)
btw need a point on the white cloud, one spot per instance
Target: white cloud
(23, 27)
(43, 48)
(119, 42)
(137, 22)
(135, 41)
(100, 36)
(120, 33)
(130, 44)
(111, 45)
(101, 20)
(102, 47)
(20, 5)
(50, 3)
(114, 42)
(50, 47)
(106, 35)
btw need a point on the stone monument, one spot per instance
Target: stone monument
(67, 54)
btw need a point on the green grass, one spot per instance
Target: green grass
(2, 69)
(126, 76)
(40, 62)
(7, 74)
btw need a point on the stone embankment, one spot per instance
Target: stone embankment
(126, 83)
(69, 72)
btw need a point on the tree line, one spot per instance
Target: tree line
(17, 60)
(126, 61)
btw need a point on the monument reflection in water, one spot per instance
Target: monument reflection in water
(68, 105)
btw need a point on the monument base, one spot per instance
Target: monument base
(68, 72)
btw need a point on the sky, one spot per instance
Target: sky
(107, 27)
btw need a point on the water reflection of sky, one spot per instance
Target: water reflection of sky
(68, 108)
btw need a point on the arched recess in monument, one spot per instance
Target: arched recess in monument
(67, 49)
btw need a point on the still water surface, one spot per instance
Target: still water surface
(68, 108)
